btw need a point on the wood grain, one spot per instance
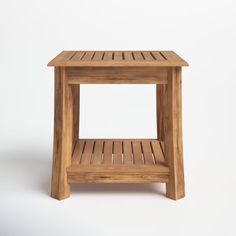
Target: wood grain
(76, 108)
(117, 156)
(98, 152)
(160, 109)
(87, 152)
(118, 174)
(147, 153)
(173, 136)
(128, 155)
(107, 157)
(77, 153)
(118, 59)
(111, 151)
(63, 125)
(137, 152)
(116, 75)
(78, 160)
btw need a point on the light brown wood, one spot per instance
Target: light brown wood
(87, 152)
(127, 153)
(77, 56)
(111, 177)
(161, 104)
(171, 57)
(118, 174)
(128, 56)
(158, 152)
(148, 56)
(118, 59)
(62, 58)
(118, 56)
(132, 151)
(88, 56)
(173, 136)
(147, 153)
(130, 160)
(108, 56)
(138, 56)
(123, 168)
(158, 56)
(107, 156)
(98, 152)
(116, 75)
(76, 105)
(137, 152)
(162, 146)
(117, 154)
(63, 136)
(77, 153)
(98, 56)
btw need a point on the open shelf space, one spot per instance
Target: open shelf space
(118, 160)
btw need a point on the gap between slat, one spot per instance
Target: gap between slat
(163, 56)
(153, 156)
(82, 152)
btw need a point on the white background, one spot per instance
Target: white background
(32, 32)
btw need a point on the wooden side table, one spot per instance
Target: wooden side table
(78, 160)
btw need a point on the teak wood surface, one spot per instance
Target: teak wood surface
(78, 160)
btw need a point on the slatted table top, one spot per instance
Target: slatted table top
(117, 59)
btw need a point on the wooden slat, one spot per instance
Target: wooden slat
(147, 153)
(87, 153)
(127, 150)
(97, 154)
(137, 152)
(62, 57)
(98, 56)
(118, 56)
(157, 151)
(171, 56)
(163, 147)
(77, 56)
(128, 56)
(88, 56)
(158, 56)
(77, 154)
(108, 56)
(138, 56)
(147, 55)
(107, 157)
(117, 156)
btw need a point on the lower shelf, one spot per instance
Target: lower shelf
(118, 161)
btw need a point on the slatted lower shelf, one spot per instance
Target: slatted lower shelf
(118, 161)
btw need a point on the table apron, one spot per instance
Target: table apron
(117, 75)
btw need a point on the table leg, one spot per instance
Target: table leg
(160, 105)
(173, 135)
(76, 109)
(63, 125)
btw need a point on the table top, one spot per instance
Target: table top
(117, 59)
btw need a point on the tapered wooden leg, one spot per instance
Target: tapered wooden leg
(63, 135)
(76, 108)
(160, 101)
(173, 135)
